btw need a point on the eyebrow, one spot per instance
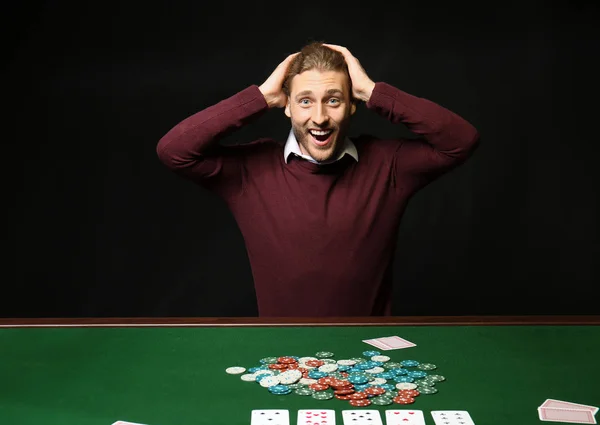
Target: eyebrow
(329, 92)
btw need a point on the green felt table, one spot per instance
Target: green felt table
(172, 371)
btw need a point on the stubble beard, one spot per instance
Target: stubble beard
(308, 147)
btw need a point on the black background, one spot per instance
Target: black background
(97, 226)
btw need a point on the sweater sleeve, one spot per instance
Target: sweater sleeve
(446, 139)
(191, 147)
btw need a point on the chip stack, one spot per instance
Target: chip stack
(362, 381)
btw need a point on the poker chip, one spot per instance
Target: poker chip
(426, 366)
(403, 400)
(361, 381)
(406, 386)
(380, 358)
(427, 390)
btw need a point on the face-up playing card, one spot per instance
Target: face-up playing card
(566, 415)
(361, 417)
(316, 417)
(452, 417)
(390, 343)
(404, 417)
(270, 417)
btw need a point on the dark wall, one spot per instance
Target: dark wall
(98, 226)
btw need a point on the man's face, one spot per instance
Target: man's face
(320, 107)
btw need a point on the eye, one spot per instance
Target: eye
(334, 101)
(304, 102)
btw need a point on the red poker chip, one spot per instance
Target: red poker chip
(358, 396)
(341, 397)
(318, 387)
(360, 403)
(374, 391)
(408, 393)
(403, 400)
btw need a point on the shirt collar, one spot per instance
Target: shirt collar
(292, 147)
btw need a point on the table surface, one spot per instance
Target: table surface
(171, 371)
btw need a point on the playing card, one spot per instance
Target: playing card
(361, 417)
(390, 343)
(452, 417)
(567, 405)
(552, 414)
(404, 417)
(126, 423)
(270, 417)
(316, 417)
(376, 343)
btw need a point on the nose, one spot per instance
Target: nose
(319, 116)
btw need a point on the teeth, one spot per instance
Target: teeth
(320, 133)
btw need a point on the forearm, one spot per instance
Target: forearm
(446, 131)
(187, 141)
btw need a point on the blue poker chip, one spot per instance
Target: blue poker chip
(404, 379)
(417, 374)
(371, 353)
(409, 363)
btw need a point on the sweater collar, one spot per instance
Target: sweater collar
(292, 147)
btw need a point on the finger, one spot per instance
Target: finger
(340, 49)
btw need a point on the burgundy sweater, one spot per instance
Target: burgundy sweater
(320, 238)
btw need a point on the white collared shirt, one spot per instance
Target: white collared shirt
(292, 147)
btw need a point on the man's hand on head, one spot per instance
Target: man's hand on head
(362, 85)
(272, 88)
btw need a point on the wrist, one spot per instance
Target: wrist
(268, 98)
(366, 94)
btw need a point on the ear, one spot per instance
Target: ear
(353, 108)
(287, 108)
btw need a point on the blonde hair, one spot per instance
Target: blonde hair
(316, 56)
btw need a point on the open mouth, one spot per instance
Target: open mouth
(321, 137)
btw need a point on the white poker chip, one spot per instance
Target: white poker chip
(307, 381)
(289, 377)
(375, 370)
(378, 381)
(269, 381)
(406, 386)
(380, 358)
(248, 377)
(328, 368)
(234, 370)
(346, 362)
(305, 359)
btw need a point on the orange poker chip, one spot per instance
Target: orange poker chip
(344, 392)
(286, 360)
(360, 403)
(338, 383)
(341, 397)
(403, 400)
(277, 366)
(374, 391)
(408, 393)
(318, 387)
(315, 363)
(357, 396)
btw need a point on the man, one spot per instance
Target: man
(320, 214)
